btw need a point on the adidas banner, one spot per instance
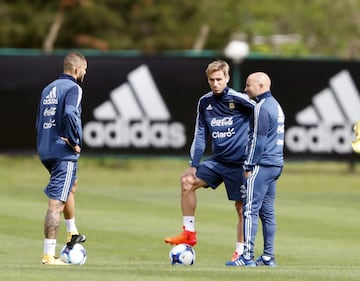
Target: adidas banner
(147, 105)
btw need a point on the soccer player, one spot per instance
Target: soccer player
(263, 167)
(223, 116)
(59, 137)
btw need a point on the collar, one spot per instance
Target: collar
(263, 96)
(224, 93)
(67, 76)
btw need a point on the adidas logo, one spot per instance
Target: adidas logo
(209, 107)
(334, 105)
(326, 124)
(51, 97)
(52, 94)
(135, 115)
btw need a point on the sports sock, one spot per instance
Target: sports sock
(266, 258)
(71, 226)
(239, 248)
(49, 247)
(189, 223)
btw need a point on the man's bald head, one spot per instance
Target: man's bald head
(257, 83)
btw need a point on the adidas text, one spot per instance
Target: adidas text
(319, 139)
(141, 134)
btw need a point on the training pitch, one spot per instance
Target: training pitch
(126, 206)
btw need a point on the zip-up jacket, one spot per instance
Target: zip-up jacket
(224, 120)
(59, 115)
(266, 133)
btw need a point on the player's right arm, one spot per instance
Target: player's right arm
(257, 136)
(198, 145)
(71, 118)
(244, 99)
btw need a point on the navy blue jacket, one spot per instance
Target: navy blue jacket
(224, 120)
(266, 133)
(59, 115)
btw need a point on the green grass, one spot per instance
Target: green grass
(127, 206)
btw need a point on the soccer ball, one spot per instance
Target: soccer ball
(182, 254)
(76, 255)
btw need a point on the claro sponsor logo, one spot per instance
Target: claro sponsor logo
(49, 125)
(228, 134)
(221, 122)
(135, 115)
(326, 125)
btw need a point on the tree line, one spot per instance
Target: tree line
(278, 28)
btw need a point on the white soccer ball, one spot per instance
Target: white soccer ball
(182, 254)
(76, 255)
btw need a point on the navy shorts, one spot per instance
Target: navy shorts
(62, 179)
(214, 173)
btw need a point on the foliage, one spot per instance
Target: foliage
(306, 27)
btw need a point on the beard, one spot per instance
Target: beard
(80, 79)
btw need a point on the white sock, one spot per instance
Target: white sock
(239, 248)
(189, 223)
(266, 258)
(71, 226)
(49, 247)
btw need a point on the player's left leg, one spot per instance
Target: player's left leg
(233, 179)
(54, 210)
(255, 192)
(239, 246)
(267, 217)
(73, 235)
(62, 178)
(51, 227)
(52, 218)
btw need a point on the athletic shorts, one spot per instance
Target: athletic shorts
(62, 179)
(214, 173)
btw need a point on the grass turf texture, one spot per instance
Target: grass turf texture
(127, 206)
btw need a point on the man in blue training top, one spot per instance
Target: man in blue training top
(59, 137)
(262, 167)
(223, 117)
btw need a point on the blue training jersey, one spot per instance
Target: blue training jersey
(225, 120)
(59, 115)
(266, 133)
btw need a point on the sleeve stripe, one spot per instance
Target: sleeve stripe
(79, 96)
(254, 136)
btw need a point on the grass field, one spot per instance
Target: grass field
(126, 208)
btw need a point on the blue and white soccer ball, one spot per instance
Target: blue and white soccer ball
(76, 255)
(182, 254)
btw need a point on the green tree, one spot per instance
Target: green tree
(282, 28)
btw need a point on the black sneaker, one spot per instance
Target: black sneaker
(76, 238)
(265, 262)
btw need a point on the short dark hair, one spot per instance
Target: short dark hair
(73, 59)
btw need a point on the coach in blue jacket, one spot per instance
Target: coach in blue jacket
(59, 137)
(262, 167)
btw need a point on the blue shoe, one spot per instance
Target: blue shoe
(261, 262)
(241, 261)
